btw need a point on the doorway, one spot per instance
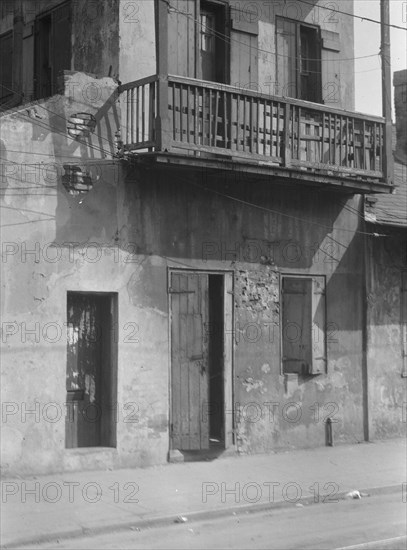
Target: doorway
(212, 47)
(91, 371)
(201, 361)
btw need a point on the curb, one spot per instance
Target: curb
(166, 520)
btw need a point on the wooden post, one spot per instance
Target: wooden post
(163, 128)
(386, 90)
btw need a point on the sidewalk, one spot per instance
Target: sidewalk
(48, 507)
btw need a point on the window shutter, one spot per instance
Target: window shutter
(318, 363)
(296, 325)
(286, 58)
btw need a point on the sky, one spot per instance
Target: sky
(367, 41)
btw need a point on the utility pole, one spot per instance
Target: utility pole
(386, 89)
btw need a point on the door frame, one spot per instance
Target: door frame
(228, 350)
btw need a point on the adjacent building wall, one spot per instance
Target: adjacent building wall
(386, 282)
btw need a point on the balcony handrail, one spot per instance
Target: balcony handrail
(282, 99)
(138, 82)
(177, 113)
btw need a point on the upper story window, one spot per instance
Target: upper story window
(212, 41)
(298, 60)
(52, 49)
(6, 66)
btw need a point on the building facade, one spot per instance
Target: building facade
(183, 240)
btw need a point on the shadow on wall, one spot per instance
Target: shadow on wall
(86, 209)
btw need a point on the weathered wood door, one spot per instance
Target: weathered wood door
(189, 359)
(83, 375)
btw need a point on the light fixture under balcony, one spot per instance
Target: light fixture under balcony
(81, 125)
(76, 181)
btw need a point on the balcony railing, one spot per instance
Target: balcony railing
(214, 118)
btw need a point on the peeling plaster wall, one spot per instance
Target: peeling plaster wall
(387, 387)
(95, 43)
(53, 243)
(143, 223)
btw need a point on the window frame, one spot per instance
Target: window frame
(313, 370)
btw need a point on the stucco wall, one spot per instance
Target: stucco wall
(137, 40)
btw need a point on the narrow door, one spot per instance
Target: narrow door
(190, 361)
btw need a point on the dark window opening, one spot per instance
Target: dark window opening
(52, 50)
(212, 44)
(298, 60)
(91, 374)
(6, 66)
(303, 325)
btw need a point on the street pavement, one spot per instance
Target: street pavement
(38, 509)
(377, 522)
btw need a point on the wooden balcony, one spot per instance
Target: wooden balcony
(191, 121)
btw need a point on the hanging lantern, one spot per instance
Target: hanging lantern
(81, 125)
(76, 181)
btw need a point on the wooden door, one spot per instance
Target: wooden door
(189, 361)
(83, 375)
(286, 58)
